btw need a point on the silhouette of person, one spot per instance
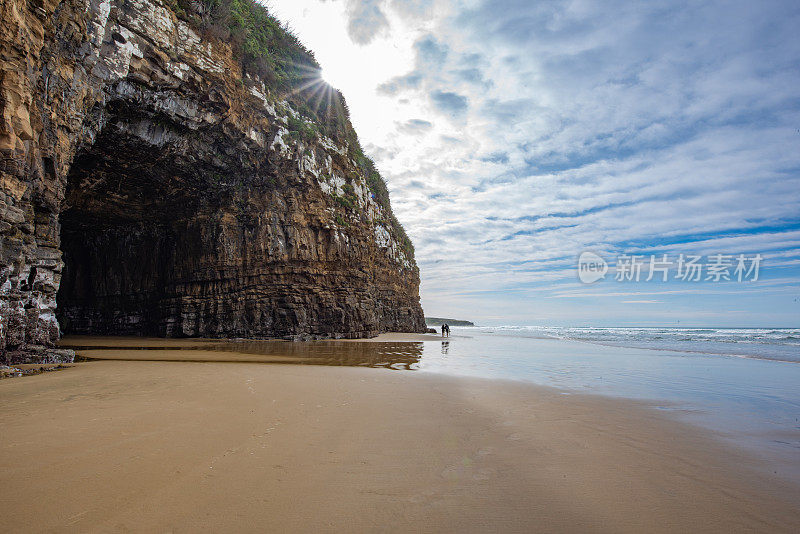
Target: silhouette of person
(444, 326)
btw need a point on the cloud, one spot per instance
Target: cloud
(399, 83)
(508, 111)
(473, 75)
(380, 152)
(429, 56)
(430, 51)
(413, 9)
(366, 20)
(415, 126)
(448, 102)
(497, 157)
(617, 131)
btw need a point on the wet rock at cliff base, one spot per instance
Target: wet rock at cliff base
(21, 370)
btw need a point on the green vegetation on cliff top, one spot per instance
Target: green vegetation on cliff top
(270, 51)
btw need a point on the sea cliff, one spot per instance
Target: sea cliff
(156, 180)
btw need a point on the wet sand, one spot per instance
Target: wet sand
(187, 446)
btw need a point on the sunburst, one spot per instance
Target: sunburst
(322, 98)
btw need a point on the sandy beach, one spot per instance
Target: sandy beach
(187, 446)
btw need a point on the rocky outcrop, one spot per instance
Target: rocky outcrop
(150, 188)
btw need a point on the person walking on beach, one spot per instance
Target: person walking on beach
(443, 328)
(447, 329)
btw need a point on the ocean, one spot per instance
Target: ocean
(781, 344)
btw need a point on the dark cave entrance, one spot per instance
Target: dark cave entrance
(130, 233)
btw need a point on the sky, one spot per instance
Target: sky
(515, 135)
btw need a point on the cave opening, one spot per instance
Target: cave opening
(130, 235)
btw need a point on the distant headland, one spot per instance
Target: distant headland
(438, 321)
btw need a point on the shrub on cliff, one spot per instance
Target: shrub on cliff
(265, 47)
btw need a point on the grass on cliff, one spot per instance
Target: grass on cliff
(269, 50)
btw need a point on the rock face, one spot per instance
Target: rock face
(148, 188)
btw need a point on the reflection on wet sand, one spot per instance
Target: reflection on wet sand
(390, 355)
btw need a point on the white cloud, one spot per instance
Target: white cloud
(365, 20)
